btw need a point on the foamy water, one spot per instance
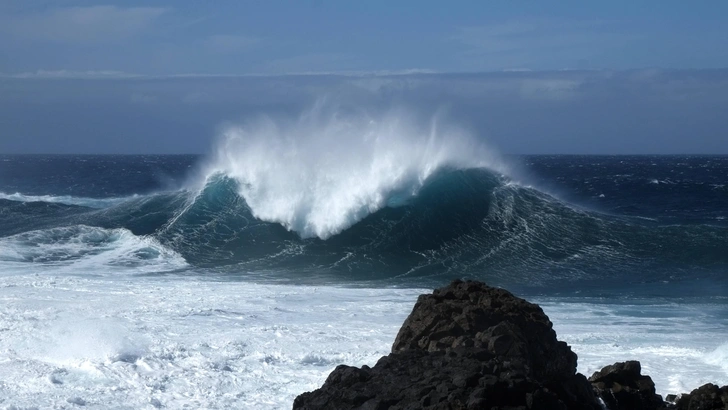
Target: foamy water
(152, 342)
(86, 249)
(680, 346)
(182, 342)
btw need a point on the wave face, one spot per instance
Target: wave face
(471, 222)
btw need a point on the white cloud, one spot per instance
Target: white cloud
(83, 25)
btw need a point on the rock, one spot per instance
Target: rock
(623, 387)
(706, 397)
(466, 346)
(473, 314)
(470, 346)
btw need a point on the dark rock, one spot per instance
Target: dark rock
(623, 387)
(473, 314)
(466, 346)
(706, 397)
(469, 346)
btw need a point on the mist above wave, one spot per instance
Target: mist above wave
(320, 173)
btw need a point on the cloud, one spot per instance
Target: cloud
(61, 74)
(83, 25)
(230, 44)
(577, 111)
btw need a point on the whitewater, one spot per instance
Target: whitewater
(240, 279)
(324, 172)
(180, 341)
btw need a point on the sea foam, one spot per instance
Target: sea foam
(185, 342)
(87, 249)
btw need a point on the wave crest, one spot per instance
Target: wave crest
(323, 172)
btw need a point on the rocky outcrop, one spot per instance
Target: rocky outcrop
(622, 386)
(465, 346)
(473, 315)
(471, 346)
(705, 397)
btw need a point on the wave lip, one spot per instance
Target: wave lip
(98, 203)
(326, 171)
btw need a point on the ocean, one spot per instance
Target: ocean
(241, 278)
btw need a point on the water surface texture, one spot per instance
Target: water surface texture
(243, 278)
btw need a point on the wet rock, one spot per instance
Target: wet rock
(465, 346)
(706, 397)
(623, 387)
(473, 314)
(470, 346)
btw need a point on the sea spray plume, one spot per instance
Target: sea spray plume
(321, 173)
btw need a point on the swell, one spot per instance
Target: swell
(472, 222)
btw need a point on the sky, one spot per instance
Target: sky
(530, 76)
(155, 37)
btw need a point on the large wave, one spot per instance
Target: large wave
(471, 222)
(345, 195)
(323, 172)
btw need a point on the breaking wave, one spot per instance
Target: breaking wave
(364, 197)
(325, 171)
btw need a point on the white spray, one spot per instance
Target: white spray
(326, 170)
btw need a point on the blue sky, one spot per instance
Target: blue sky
(275, 37)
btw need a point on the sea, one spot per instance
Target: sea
(242, 277)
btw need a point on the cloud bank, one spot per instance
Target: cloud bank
(571, 112)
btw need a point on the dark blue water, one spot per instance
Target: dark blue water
(596, 225)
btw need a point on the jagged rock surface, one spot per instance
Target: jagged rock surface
(706, 397)
(466, 346)
(471, 314)
(623, 387)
